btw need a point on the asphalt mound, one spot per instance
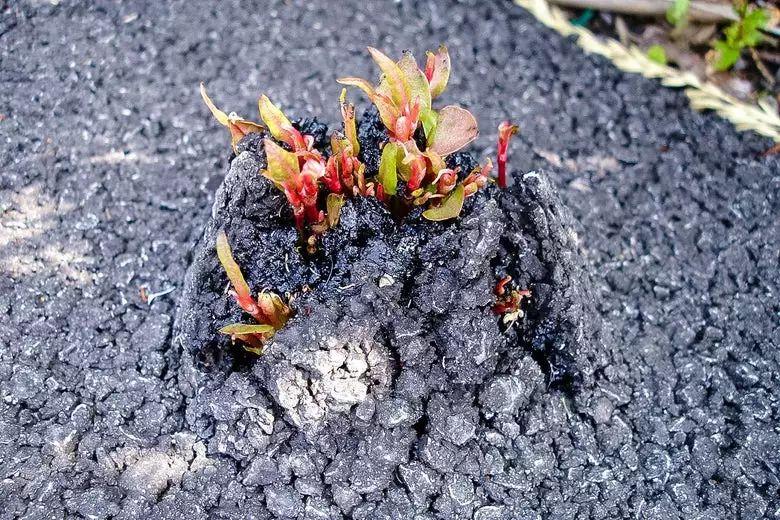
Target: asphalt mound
(395, 368)
(109, 165)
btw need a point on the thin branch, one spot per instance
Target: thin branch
(762, 67)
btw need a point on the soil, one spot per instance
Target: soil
(108, 166)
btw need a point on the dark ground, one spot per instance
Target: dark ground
(108, 166)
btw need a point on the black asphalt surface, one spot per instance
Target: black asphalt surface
(108, 167)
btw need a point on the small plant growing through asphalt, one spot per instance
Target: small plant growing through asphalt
(404, 98)
(508, 300)
(412, 170)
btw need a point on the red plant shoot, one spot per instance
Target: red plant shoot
(508, 301)
(478, 178)
(270, 312)
(505, 131)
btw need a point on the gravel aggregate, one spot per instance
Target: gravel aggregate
(108, 168)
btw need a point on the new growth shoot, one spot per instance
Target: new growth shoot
(412, 170)
(268, 309)
(508, 300)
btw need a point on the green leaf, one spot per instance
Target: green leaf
(428, 118)
(437, 162)
(678, 12)
(752, 24)
(438, 66)
(236, 329)
(416, 80)
(732, 33)
(237, 126)
(218, 114)
(274, 311)
(388, 112)
(225, 254)
(274, 119)
(396, 80)
(360, 83)
(388, 171)
(657, 54)
(408, 154)
(727, 55)
(455, 128)
(282, 165)
(350, 126)
(450, 207)
(333, 205)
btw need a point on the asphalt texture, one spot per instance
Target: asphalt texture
(108, 169)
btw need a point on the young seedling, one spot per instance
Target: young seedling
(344, 173)
(303, 172)
(268, 309)
(413, 176)
(508, 301)
(505, 131)
(744, 33)
(403, 98)
(299, 182)
(237, 126)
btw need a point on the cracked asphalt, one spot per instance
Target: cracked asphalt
(108, 167)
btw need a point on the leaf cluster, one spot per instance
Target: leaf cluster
(744, 33)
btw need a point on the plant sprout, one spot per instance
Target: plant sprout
(412, 168)
(403, 98)
(508, 301)
(268, 309)
(505, 131)
(744, 33)
(237, 126)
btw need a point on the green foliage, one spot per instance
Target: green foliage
(411, 172)
(449, 208)
(657, 54)
(403, 98)
(388, 173)
(677, 14)
(334, 203)
(743, 34)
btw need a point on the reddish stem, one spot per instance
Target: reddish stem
(250, 306)
(312, 213)
(299, 221)
(502, 170)
(501, 285)
(505, 131)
